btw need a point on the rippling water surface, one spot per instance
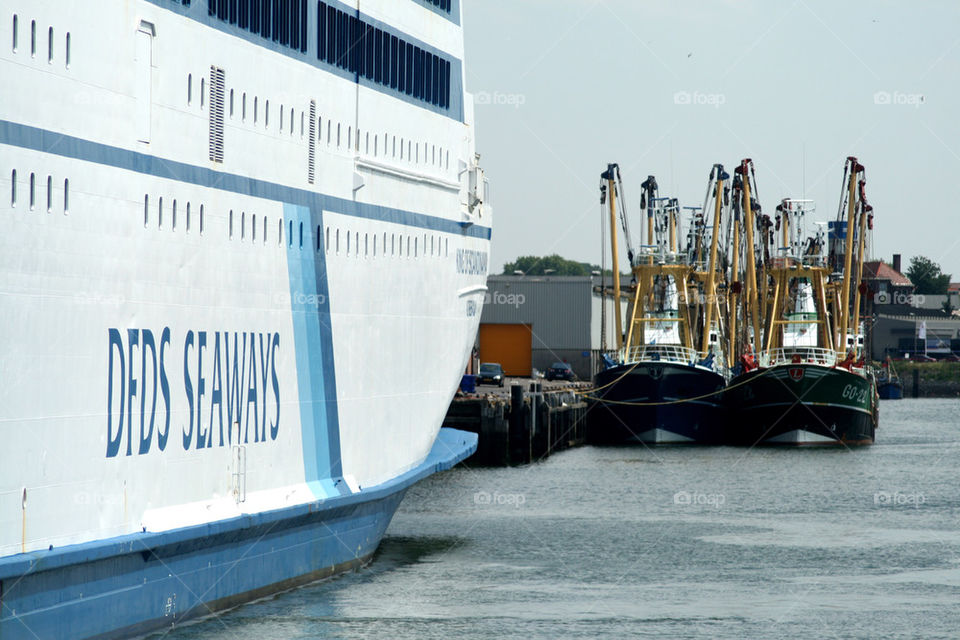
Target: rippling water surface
(670, 542)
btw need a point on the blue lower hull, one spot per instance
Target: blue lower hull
(890, 390)
(658, 403)
(143, 582)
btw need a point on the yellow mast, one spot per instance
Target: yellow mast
(848, 256)
(731, 291)
(751, 260)
(612, 191)
(712, 267)
(861, 241)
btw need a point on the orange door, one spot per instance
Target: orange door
(509, 344)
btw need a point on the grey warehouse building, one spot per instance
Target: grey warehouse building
(530, 322)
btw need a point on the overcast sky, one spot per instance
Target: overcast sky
(670, 87)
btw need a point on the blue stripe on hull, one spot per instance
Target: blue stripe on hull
(59, 144)
(316, 373)
(142, 582)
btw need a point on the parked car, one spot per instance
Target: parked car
(560, 371)
(490, 373)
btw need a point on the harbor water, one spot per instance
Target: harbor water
(672, 542)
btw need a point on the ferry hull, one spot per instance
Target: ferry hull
(697, 421)
(802, 404)
(145, 582)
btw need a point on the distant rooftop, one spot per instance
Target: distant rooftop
(880, 270)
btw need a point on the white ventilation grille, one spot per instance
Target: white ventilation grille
(312, 145)
(217, 82)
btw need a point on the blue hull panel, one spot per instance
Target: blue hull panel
(890, 391)
(143, 582)
(655, 403)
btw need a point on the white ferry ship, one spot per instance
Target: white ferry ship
(244, 246)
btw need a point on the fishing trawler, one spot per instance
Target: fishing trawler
(889, 385)
(661, 388)
(808, 383)
(245, 247)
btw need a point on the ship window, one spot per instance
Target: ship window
(367, 144)
(319, 128)
(329, 128)
(431, 245)
(201, 219)
(290, 233)
(253, 227)
(231, 224)
(281, 118)
(231, 98)
(66, 61)
(394, 153)
(33, 37)
(433, 154)
(160, 213)
(319, 238)
(256, 99)
(338, 241)
(13, 188)
(349, 137)
(173, 217)
(49, 194)
(301, 235)
(243, 107)
(446, 247)
(280, 231)
(409, 150)
(189, 88)
(66, 195)
(338, 135)
(327, 240)
(188, 217)
(16, 32)
(384, 243)
(264, 229)
(301, 124)
(146, 209)
(291, 120)
(266, 114)
(33, 190)
(376, 145)
(401, 148)
(393, 244)
(356, 240)
(348, 243)
(448, 160)
(243, 225)
(374, 245)
(50, 45)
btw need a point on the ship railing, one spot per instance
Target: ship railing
(798, 355)
(660, 353)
